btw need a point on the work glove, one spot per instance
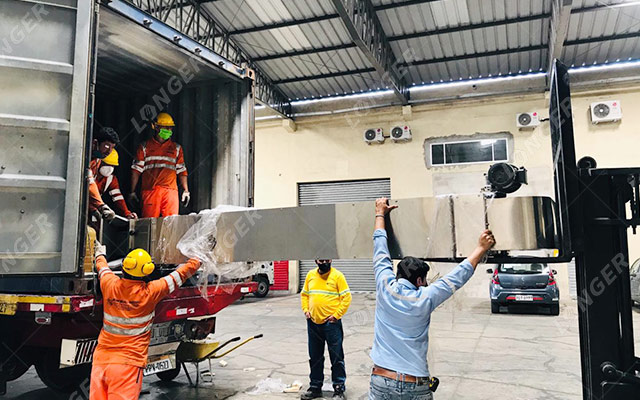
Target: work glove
(100, 249)
(186, 197)
(107, 213)
(133, 198)
(132, 216)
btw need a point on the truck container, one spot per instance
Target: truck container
(68, 68)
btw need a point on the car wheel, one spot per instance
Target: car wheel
(168, 376)
(555, 309)
(263, 286)
(495, 308)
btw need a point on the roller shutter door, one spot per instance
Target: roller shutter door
(359, 273)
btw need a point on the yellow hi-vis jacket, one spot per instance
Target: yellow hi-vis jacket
(325, 295)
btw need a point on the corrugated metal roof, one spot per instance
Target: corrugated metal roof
(439, 41)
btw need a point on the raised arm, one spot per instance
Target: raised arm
(159, 288)
(105, 274)
(445, 287)
(382, 265)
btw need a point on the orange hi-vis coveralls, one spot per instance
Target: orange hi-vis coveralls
(129, 308)
(111, 185)
(95, 199)
(160, 164)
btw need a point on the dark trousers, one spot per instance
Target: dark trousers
(333, 335)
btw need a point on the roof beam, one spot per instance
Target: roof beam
(193, 19)
(415, 63)
(295, 22)
(454, 29)
(560, 17)
(363, 25)
(598, 39)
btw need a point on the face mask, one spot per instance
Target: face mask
(165, 133)
(97, 154)
(324, 267)
(106, 170)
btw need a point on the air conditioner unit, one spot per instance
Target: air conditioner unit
(606, 111)
(527, 120)
(373, 135)
(401, 133)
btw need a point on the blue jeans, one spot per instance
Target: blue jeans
(382, 388)
(331, 334)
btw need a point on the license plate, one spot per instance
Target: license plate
(165, 363)
(8, 308)
(524, 297)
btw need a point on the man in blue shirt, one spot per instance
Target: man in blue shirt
(404, 304)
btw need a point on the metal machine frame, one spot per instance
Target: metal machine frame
(593, 227)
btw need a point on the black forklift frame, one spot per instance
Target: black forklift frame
(593, 222)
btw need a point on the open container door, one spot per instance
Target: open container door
(44, 75)
(145, 67)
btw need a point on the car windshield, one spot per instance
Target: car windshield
(521, 268)
(635, 267)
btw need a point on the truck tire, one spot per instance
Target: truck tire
(64, 380)
(263, 286)
(16, 364)
(168, 376)
(554, 309)
(495, 307)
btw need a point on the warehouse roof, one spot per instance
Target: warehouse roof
(307, 50)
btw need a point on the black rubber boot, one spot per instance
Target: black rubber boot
(311, 393)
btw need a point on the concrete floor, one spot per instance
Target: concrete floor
(475, 354)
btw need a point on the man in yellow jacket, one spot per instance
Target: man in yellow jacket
(325, 299)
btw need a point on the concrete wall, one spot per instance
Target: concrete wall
(328, 148)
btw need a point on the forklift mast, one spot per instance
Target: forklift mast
(593, 223)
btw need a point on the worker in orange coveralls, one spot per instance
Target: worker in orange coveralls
(108, 184)
(129, 309)
(160, 160)
(103, 143)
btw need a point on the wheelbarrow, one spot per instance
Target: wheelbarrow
(195, 353)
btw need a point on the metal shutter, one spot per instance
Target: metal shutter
(280, 275)
(359, 273)
(573, 286)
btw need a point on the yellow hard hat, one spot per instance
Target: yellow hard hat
(138, 263)
(111, 159)
(164, 119)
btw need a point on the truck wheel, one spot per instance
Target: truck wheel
(263, 286)
(555, 309)
(168, 376)
(64, 380)
(495, 308)
(15, 365)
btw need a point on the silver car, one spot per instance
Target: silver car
(634, 272)
(524, 284)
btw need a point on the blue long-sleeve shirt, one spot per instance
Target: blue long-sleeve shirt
(403, 312)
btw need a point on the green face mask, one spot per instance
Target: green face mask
(165, 133)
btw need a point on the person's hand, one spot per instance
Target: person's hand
(133, 198)
(100, 249)
(186, 197)
(383, 207)
(107, 213)
(331, 319)
(307, 314)
(486, 240)
(132, 215)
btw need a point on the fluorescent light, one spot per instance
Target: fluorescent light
(475, 81)
(347, 97)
